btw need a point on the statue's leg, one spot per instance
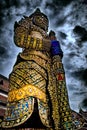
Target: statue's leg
(27, 81)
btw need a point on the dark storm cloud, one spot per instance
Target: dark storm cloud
(55, 7)
(57, 4)
(61, 3)
(61, 21)
(85, 102)
(2, 50)
(72, 54)
(62, 35)
(81, 32)
(84, 2)
(82, 75)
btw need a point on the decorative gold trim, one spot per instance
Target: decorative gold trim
(44, 113)
(27, 54)
(23, 119)
(26, 91)
(27, 41)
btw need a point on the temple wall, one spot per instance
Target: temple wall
(4, 82)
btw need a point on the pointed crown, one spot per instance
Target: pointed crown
(40, 19)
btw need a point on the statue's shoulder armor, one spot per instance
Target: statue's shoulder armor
(24, 22)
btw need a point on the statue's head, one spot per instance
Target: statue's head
(39, 19)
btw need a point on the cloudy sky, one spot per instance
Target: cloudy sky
(68, 18)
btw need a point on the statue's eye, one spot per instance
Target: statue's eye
(38, 17)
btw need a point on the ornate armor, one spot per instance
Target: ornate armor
(37, 76)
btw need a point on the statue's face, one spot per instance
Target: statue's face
(41, 21)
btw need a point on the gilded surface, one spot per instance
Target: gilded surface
(37, 75)
(26, 91)
(28, 80)
(21, 108)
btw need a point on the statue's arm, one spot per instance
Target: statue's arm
(23, 39)
(20, 34)
(56, 53)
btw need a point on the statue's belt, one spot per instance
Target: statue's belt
(26, 54)
(26, 91)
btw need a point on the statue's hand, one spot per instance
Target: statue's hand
(46, 44)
